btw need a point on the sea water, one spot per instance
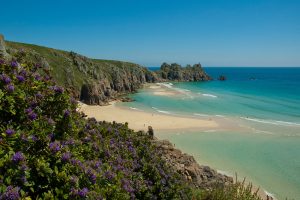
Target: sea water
(264, 103)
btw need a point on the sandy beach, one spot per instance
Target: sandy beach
(140, 120)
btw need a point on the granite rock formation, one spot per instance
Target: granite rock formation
(198, 176)
(222, 78)
(175, 72)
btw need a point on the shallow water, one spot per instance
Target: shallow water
(263, 101)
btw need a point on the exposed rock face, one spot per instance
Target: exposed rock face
(222, 78)
(2, 47)
(175, 72)
(111, 82)
(98, 81)
(198, 176)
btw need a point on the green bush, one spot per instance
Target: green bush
(49, 151)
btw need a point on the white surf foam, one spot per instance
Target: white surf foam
(278, 123)
(202, 115)
(161, 111)
(269, 194)
(168, 85)
(133, 108)
(210, 131)
(224, 173)
(209, 95)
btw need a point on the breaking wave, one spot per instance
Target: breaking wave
(209, 95)
(274, 122)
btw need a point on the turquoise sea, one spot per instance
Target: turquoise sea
(262, 106)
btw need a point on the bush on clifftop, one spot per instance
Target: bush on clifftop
(48, 150)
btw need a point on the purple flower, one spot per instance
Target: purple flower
(38, 95)
(33, 104)
(38, 65)
(24, 179)
(51, 122)
(46, 77)
(28, 110)
(14, 64)
(24, 167)
(5, 79)
(127, 186)
(57, 89)
(66, 113)
(23, 72)
(9, 132)
(24, 138)
(34, 138)
(11, 193)
(10, 88)
(66, 156)
(92, 176)
(17, 157)
(2, 62)
(70, 142)
(32, 116)
(109, 175)
(73, 101)
(83, 192)
(74, 179)
(51, 136)
(54, 147)
(21, 78)
(98, 164)
(38, 77)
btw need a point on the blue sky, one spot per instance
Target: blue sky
(149, 32)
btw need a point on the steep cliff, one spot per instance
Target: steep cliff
(96, 81)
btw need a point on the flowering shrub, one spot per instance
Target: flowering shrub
(48, 150)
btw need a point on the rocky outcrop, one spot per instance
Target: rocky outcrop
(110, 82)
(175, 72)
(222, 78)
(198, 176)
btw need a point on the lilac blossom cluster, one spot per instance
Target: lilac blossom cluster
(50, 151)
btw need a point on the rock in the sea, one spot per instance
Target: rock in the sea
(126, 99)
(222, 78)
(175, 72)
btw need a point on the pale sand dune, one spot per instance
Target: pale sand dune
(139, 120)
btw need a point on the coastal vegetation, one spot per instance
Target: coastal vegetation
(96, 81)
(49, 150)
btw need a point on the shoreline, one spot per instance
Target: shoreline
(140, 120)
(163, 122)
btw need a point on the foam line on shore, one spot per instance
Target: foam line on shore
(269, 194)
(224, 173)
(162, 111)
(209, 95)
(133, 108)
(273, 122)
(201, 115)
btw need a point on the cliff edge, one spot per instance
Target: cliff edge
(95, 81)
